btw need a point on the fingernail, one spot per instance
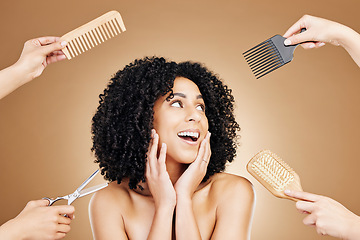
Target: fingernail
(311, 45)
(63, 43)
(287, 191)
(321, 44)
(287, 42)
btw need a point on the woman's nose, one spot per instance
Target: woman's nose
(193, 115)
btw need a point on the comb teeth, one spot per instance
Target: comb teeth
(92, 34)
(263, 58)
(272, 169)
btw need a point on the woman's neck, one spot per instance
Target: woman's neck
(175, 170)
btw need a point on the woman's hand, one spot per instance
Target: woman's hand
(327, 215)
(194, 174)
(318, 32)
(38, 53)
(157, 177)
(39, 221)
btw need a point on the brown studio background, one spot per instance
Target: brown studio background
(307, 112)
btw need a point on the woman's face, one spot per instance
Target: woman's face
(181, 121)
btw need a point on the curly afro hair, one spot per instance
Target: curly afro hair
(121, 127)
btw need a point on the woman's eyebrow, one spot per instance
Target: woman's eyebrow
(184, 96)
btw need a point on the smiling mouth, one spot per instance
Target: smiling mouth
(189, 136)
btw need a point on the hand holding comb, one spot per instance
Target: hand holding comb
(92, 33)
(269, 55)
(274, 174)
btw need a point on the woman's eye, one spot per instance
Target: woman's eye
(176, 104)
(201, 107)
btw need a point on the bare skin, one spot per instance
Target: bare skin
(36, 55)
(320, 31)
(128, 214)
(174, 204)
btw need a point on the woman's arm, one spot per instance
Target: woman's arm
(36, 55)
(234, 213)
(185, 223)
(162, 191)
(320, 31)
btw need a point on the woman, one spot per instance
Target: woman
(151, 138)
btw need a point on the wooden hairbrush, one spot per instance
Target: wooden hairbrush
(274, 174)
(92, 33)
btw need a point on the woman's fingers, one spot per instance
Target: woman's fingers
(305, 206)
(207, 150)
(302, 195)
(152, 158)
(156, 164)
(162, 158)
(310, 220)
(47, 40)
(55, 58)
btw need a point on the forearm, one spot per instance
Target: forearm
(185, 223)
(10, 79)
(9, 231)
(354, 230)
(161, 227)
(350, 41)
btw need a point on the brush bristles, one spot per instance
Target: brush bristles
(93, 37)
(272, 170)
(263, 58)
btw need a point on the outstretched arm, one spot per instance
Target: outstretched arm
(320, 31)
(36, 55)
(327, 215)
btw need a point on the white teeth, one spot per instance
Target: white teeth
(189, 134)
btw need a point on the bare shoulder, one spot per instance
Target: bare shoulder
(110, 196)
(106, 210)
(229, 186)
(109, 201)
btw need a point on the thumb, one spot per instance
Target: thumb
(53, 47)
(296, 39)
(38, 203)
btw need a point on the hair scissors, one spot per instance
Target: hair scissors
(79, 192)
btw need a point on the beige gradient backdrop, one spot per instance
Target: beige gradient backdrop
(307, 112)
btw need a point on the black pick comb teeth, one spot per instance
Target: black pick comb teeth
(269, 55)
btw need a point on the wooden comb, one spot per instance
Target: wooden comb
(274, 174)
(92, 33)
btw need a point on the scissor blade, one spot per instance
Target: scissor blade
(92, 189)
(87, 181)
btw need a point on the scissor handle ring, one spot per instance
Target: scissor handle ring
(52, 201)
